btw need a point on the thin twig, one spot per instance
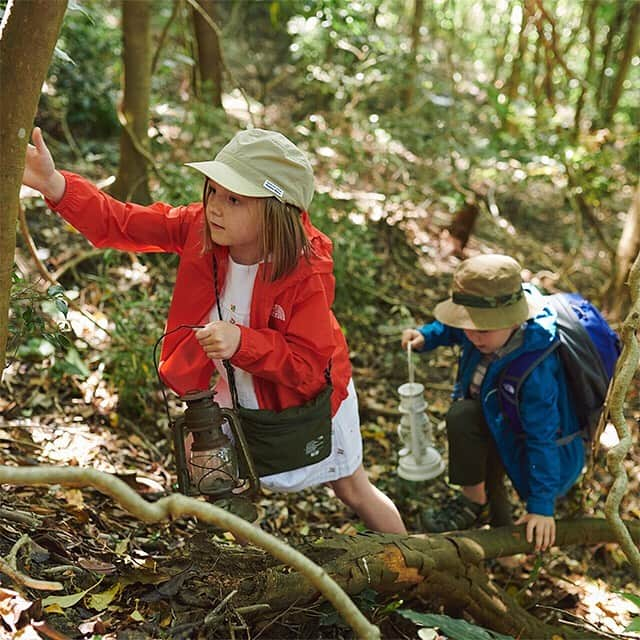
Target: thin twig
(27, 581)
(12, 556)
(214, 614)
(13, 515)
(580, 622)
(163, 35)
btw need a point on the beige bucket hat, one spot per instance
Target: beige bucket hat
(487, 294)
(262, 164)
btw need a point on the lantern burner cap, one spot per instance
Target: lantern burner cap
(193, 396)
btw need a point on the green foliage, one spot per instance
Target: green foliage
(39, 331)
(139, 319)
(365, 601)
(634, 625)
(84, 76)
(37, 322)
(454, 628)
(356, 265)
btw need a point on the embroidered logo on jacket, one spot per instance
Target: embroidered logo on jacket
(278, 313)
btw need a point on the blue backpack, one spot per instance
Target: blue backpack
(588, 349)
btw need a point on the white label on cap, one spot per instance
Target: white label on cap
(274, 188)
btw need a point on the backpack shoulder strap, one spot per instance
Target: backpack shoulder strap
(512, 378)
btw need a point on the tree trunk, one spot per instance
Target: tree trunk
(209, 55)
(24, 60)
(412, 70)
(132, 180)
(631, 44)
(591, 26)
(628, 249)
(516, 67)
(463, 224)
(616, 25)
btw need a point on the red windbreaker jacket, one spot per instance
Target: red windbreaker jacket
(293, 333)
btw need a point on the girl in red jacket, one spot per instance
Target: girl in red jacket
(258, 277)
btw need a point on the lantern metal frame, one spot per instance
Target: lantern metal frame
(418, 460)
(204, 418)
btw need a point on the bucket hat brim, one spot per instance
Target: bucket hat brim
(483, 319)
(230, 179)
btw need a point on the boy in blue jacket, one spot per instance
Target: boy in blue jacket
(494, 318)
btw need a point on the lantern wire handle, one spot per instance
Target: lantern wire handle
(157, 367)
(410, 361)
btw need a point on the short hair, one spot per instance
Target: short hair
(282, 236)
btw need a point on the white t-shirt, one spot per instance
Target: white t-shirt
(346, 442)
(235, 304)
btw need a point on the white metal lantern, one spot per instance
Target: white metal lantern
(418, 459)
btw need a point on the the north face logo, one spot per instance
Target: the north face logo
(278, 313)
(509, 388)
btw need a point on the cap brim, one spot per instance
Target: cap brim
(480, 319)
(230, 179)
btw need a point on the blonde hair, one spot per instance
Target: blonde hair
(282, 236)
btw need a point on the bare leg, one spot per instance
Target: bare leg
(375, 508)
(476, 493)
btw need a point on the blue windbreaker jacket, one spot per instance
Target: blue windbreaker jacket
(539, 468)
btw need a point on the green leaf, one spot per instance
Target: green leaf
(68, 601)
(65, 57)
(630, 596)
(74, 364)
(62, 307)
(100, 601)
(635, 625)
(455, 628)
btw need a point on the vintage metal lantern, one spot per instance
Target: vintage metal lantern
(215, 466)
(418, 459)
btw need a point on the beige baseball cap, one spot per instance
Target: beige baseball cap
(487, 294)
(262, 164)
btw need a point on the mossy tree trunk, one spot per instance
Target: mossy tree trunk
(209, 55)
(24, 60)
(132, 180)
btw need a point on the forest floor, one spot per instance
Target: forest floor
(127, 580)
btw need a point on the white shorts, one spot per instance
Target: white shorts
(345, 456)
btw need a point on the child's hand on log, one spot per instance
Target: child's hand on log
(542, 527)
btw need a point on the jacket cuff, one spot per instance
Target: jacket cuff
(69, 198)
(241, 358)
(540, 507)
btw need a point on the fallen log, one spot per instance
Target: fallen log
(442, 568)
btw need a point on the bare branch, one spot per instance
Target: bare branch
(177, 506)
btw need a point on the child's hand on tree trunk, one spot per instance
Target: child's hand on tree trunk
(40, 170)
